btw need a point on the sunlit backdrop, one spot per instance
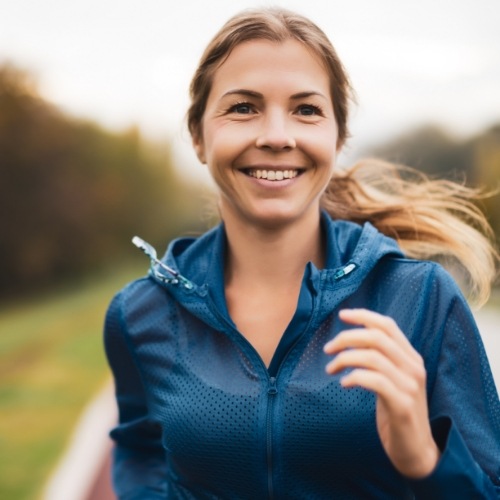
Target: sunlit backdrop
(124, 61)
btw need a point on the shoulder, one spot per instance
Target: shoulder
(137, 303)
(421, 296)
(133, 293)
(418, 276)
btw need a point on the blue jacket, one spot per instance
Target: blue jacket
(200, 415)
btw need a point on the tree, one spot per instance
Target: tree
(73, 194)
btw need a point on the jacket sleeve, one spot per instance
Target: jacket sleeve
(139, 460)
(464, 409)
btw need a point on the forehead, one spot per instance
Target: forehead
(263, 62)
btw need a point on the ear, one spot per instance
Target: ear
(199, 148)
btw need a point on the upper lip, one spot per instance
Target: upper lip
(271, 167)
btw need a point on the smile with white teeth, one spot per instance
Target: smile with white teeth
(273, 175)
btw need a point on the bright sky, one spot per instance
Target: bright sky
(128, 61)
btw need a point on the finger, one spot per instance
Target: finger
(370, 359)
(401, 404)
(372, 381)
(371, 319)
(362, 358)
(364, 338)
(405, 420)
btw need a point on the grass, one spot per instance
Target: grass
(51, 364)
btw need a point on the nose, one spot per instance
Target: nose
(275, 133)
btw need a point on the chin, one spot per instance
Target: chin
(279, 216)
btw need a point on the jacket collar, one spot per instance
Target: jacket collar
(352, 252)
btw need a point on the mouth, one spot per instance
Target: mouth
(273, 175)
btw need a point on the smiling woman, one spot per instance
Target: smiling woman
(222, 356)
(268, 134)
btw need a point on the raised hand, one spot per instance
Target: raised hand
(383, 361)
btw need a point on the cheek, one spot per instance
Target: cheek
(224, 145)
(321, 145)
(220, 155)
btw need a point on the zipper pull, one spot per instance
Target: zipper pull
(272, 388)
(345, 271)
(150, 251)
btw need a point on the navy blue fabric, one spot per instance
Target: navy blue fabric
(201, 416)
(297, 325)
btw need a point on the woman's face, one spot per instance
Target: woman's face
(269, 133)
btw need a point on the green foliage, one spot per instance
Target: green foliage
(51, 364)
(72, 194)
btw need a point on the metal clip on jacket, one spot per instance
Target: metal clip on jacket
(150, 251)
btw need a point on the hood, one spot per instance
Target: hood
(352, 252)
(201, 259)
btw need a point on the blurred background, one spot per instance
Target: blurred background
(94, 149)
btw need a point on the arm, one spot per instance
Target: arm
(139, 464)
(464, 410)
(461, 414)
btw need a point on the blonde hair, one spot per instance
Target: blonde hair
(430, 219)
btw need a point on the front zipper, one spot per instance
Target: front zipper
(271, 393)
(272, 390)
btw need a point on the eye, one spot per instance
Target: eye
(309, 110)
(242, 108)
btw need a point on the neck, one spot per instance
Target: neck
(274, 257)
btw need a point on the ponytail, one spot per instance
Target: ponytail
(430, 219)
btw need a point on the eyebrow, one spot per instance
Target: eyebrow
(304, 95)
(258, 95)
(249, 93)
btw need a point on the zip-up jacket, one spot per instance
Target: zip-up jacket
(202, 417)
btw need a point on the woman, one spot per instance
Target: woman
(295, 351)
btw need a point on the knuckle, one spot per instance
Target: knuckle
(389, 322)
(419, 359)
(413, 388)
(419, 372)
(372, 357)
(406, 408)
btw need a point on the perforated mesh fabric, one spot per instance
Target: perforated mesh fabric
(198, 404)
